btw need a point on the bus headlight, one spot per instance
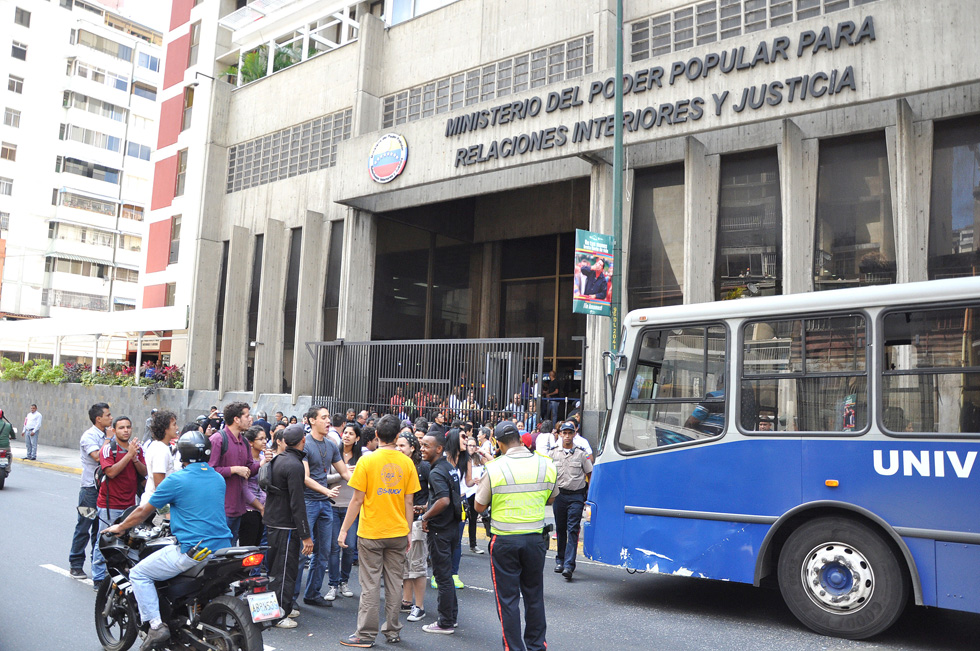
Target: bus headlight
(587, 513)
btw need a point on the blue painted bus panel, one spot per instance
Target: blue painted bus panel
(897, 480)
(602, 538)
(958, 571)
(923, 553)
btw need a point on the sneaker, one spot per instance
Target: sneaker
(458, 582)
(78, 573)
(155, 637)
(393, 639)
(331, 593)
(477, 550)
(317, 601)
(346, 591)
(356, 641)
(435, 628)
(294, 614)
(286, 623)
(435, 586)
(407, 607)
(417, 614)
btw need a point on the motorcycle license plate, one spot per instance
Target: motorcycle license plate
(3, 462)
(264, 606)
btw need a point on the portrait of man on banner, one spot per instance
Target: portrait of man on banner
(592, 282)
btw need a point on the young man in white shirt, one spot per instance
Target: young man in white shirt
(159, 456)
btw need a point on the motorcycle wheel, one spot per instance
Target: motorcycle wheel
(3, 478)
(233, 617)
(117, 631)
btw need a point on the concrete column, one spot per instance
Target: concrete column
(234, 336)
(910, 171)
(57, 352)
(272, 298)
(357, 276)
(597, 327)
(701, 178)
(604, 37)
(798, 166)
(202, 331)
(490, 291)
(309, 301)
(367, 97)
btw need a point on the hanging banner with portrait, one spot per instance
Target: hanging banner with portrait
(593, 273)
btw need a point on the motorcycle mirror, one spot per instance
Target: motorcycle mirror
(88, 512)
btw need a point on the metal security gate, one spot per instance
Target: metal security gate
(473, 379)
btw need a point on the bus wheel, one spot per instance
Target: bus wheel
(840, 578)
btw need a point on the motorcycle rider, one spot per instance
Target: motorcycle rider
(196, 495)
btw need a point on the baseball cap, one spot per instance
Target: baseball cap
(505, 428)
(293, 434)
(566, 426)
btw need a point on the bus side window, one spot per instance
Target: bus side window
(678, 389)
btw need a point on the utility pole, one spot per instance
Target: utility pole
(617, 216)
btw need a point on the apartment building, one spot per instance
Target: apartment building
(80, 113)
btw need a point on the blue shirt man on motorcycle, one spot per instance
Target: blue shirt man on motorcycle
(196, 495)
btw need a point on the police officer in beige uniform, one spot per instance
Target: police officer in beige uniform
(517, 486)
(574, 471)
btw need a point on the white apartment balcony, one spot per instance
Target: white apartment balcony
(98, 90)
(71, 249)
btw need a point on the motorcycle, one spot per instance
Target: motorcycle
(217, 605)
(5, 459)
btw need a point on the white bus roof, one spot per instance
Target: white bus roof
(951, 289)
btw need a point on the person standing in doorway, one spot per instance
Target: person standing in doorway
(574, 470)
(517, 486)
(32, 427)
(89, 446)
(384, 484)
(231, 456)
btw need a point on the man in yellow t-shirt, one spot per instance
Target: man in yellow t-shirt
(384, 483)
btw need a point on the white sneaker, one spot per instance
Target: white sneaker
(417, 614)
(346, 591)
(331, 593)
(294, 614)
(286, 623)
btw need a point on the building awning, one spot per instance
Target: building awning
(85, 323)
(119, 300)
(76, 258)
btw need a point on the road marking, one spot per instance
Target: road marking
(476, 587)
(58, 570)
(266, 647)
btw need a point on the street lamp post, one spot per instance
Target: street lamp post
(617, 216)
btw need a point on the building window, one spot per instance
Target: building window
(127, 275)
(855, 240)
(4, 221)
(105, 45)
(130, 242)
(149, 62)
(19, 51)
(15, 84)
(75, 300)
(185, 122)
(22, 17)
(8, 152)
(94, 138)
(174, 239)
(144, 90)
(656, 262)
(132, 212)
(98, 107)
(169, 301)
(137, 150)
(91, 170)
(954, 214)
(100, 76)
(6, 186)
(66, 4)
(181, 172)
(11, 118)
(195, 44)
(749, 257)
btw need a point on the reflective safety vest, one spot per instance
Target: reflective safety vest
(519, 491)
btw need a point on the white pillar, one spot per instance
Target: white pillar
(57, 351)
(139, 354)
(95, 353)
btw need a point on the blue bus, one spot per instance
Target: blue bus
(827, 440)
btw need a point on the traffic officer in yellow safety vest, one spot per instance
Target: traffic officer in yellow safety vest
(517, 486)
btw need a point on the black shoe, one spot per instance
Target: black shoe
(567, 574)
(318, 601)
(559, 569)
(77, 573)
(155, 638)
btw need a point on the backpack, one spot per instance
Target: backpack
(100, 476)
(265, 478)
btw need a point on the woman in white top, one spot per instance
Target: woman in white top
(478, 459)
(159, 456)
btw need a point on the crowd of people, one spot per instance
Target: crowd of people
(393, 497)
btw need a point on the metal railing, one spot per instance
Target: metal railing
(471, 379)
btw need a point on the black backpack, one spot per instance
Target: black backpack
(265, 478)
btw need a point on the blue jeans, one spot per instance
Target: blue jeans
(31, 439)
(159, 566)
(85, 529)
(106, 517)
(341, 559)
(234, 523)
(319, 513)
(458, 550)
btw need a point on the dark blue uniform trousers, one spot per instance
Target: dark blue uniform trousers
(568, 522)
(517, 568)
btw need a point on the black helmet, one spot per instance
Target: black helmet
(194, 447)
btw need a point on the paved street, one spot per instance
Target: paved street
(604, 608)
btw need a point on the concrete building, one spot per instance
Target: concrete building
(75, 174)
(771, 147)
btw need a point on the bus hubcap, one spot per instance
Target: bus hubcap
(838, 578)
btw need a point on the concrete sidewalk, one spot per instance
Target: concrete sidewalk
(48, 456)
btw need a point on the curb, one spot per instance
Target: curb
(49, 466)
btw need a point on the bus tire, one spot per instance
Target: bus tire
(841, 578)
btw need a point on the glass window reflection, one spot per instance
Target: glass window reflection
(955, 203)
